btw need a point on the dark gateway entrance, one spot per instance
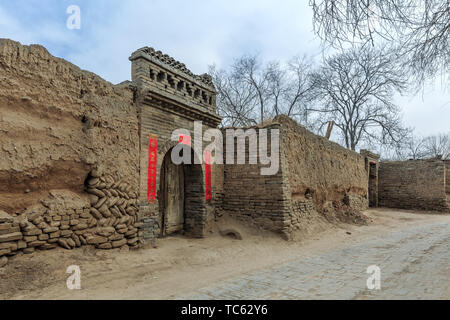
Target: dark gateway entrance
(373, 185)
(182, 198)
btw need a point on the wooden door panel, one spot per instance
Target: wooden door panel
(174, 210)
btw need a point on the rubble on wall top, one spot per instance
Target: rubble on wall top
(369, 153)
(168, 60)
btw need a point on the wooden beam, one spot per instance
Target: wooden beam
(329, 129)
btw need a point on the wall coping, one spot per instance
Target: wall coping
(170, 64)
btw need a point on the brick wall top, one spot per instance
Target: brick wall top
(369, 154)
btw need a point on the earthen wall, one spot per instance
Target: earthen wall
(414, 184)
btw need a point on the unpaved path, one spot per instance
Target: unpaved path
(411, 250)
(412, 263)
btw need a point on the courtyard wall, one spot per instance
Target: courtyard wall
(314, 175)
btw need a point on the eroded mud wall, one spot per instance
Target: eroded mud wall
(323, 177)
(58, 125)
(317, 179)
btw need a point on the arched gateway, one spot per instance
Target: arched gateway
(169, 97)
(181, 197)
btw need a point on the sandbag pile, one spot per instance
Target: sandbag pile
(110, 199)
(114, 206)
(106, 219)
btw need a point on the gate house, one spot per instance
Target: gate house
(170, 97)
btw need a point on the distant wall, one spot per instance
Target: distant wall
(414, 184)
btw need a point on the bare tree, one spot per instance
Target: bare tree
(416, 147)
(291, 88)
(249, 71)
(419, 28)
(438, 146)
(412, 147)
(273, 88)
(355, 90)
(236, 100)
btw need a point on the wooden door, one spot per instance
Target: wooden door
(173, 213)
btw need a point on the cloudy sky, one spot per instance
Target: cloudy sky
(197, 33)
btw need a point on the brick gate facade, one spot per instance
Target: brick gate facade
(170, 97)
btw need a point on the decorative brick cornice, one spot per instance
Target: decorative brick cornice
(170, 64)
(155, 72)
(169, 104)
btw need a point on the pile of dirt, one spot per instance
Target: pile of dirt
(341, 212)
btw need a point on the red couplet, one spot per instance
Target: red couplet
(208, 175)
(152, 165)
(184, 139)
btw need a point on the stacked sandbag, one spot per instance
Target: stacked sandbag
(10, 236)
(108, 222)
(106, 218)
(114, 205)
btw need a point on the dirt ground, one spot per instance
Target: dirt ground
(179, 265)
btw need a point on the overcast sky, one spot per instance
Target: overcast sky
(197, 33)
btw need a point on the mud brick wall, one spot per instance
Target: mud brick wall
(322, 168)
(324, 179)
(255, 199)
(314, 173)
(414, 184)
(302, 212)
(356, 201)
(68, 220)
(65, 129)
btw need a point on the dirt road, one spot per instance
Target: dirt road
(410, 249)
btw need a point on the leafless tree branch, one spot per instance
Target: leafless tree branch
(420, 29)
(355, 90)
